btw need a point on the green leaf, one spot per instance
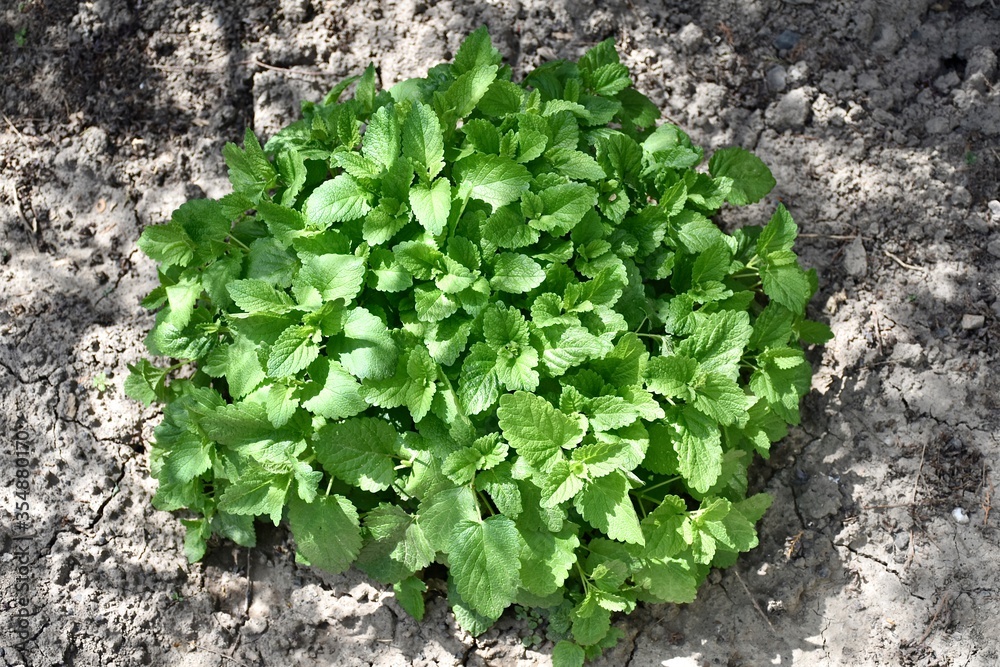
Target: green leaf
(547, 558)
(381, 142)
(479, 386)
(256, 296)
(410, 596)
(485, 563)
(326, 531)
(257, 492)
(563, 481)
(536, 430)
(668, 580)
(783, 378)
(168, 245)
(444, 509)
(423, 142)
(516, 273)
(606, 505)
(722, 399)
(751, 177)
(292, 352)
(431, 205)
(591, 622)
(772, 328)
(328, 277)
(432, 304)
(333, 393)
(567, 654)
(718, 341)
(574, 164)
(340, 199)
(475, 51)
(186, 459)
(145, 382)
(607, 413)
(367, 350)
(362, 451)
(281, 404)
(788, 285)
(502, 98)
(662, 528)
(243, 369)
(699, 449)
(397, 547)
(250, 172)
(466, 91)
(564, 206)
(493, 179)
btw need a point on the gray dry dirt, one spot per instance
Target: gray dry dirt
(881, 121)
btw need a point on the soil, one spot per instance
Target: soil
(881, 122)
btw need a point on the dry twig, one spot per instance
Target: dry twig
(753, 601)
(903, 264)
(942, 606)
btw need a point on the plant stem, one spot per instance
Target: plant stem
(239, 243)
(484, 502)
(669, 480)
(583, 578)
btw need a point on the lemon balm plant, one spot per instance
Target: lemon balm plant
(486, 324)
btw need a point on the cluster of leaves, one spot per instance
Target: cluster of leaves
(484, 324)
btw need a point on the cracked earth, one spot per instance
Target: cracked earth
(881, 122)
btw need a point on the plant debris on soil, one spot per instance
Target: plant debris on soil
(881, 123)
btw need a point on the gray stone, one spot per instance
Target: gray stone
(937, 125)
(947, 81)
(690, 37)
(993, 247)
(994, 207)
(776, 79)
(907, 353)
(961, 198)
(981, 60)
(786, 40)
(972, 322)
(856, 258)
(791, 111)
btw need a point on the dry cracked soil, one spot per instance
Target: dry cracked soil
(881, 122)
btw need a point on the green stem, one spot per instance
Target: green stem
(642, 508)
(329, 485)
(453, 225)
(239, 243)
(484, 502)
(646, 335)
(669, 480)
(583, 578)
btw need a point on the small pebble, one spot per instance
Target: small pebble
(937, 125)
(690, 37)
(855, 258)
(994, 207)
(787, 40)
(959, 515)
(993, 247)
(972, 322)
(777, 79)
(981, 60)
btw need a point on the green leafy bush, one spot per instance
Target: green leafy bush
(485, 324)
